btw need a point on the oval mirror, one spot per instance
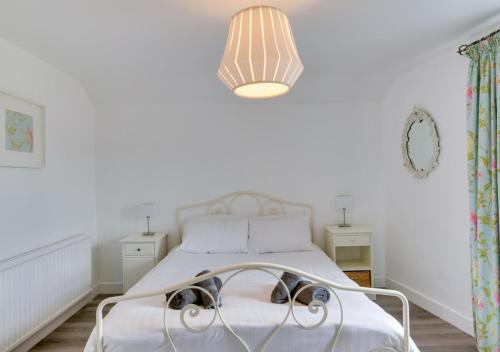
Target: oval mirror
(420, 143)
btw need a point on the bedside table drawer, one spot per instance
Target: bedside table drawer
(139, 249)
(352, 240)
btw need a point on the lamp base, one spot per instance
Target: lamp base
(148, 233)
(344, 225)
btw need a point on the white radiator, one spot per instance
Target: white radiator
(39, 285)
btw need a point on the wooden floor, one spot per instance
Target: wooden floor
(74, 333)
(430, 333)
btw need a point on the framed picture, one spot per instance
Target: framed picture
(22, 133)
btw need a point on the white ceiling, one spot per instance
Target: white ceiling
(166, 51)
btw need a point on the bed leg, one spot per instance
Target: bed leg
(99, 337)
(406, 323)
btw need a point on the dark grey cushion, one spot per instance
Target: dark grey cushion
(313, 293)
(279, 294)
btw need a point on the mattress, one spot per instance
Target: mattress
(138, 325)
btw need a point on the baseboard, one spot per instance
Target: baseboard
(53, 324)
(379, 281)
(95, 291)
(437, 308)
(113, 288)
(103, 287)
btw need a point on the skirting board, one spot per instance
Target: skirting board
(53, 324)
(95, 291)
(437, 308)
(111, 288)
(379, 281)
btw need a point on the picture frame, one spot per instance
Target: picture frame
(22, 133)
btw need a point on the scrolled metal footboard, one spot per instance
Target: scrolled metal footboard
(314, 307)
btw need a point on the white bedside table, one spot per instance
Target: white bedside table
(140, 254)
(351, 249)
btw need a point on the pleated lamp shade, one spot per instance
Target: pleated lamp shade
(260, 59)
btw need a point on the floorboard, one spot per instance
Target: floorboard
(430, 333)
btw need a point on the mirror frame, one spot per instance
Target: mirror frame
(417, 115)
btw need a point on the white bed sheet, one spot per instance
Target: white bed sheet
(138, 325)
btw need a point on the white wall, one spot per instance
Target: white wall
(427, 238)
(181, 154)
(39, 206)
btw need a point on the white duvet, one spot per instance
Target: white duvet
(137, 325)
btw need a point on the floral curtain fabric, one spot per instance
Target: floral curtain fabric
(483, 106)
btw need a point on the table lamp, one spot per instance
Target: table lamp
(343, 202)
(147, 210)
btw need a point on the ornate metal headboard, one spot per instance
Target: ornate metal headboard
(243, 203)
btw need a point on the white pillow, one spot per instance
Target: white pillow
(279, 233)
(215, 234)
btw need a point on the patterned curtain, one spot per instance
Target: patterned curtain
(483, 106)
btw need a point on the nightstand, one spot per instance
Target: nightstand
(140, 254)
(351, 249)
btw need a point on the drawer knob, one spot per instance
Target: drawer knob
(138, 249)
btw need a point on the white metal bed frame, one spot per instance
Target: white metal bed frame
(252, 203)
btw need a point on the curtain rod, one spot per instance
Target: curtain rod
(463, 48)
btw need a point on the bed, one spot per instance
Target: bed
(247, 320)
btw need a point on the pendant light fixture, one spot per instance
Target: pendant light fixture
(260, 59)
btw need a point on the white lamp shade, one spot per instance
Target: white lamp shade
(343, 201)
(147, 209)
(260, 59)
